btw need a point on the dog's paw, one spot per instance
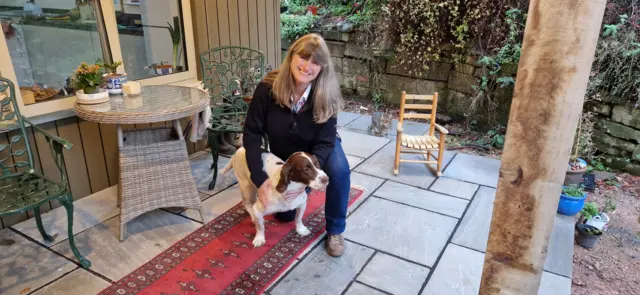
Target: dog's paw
(258, 241)
(302, 230)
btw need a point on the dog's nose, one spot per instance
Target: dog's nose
(324, 179)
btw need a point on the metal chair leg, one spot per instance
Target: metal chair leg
(44, 234)
(67, 202)
(213, 142)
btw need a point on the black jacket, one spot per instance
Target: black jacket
(287, 132)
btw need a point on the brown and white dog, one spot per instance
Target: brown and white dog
(289, 179)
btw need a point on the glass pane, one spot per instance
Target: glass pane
(47, 41)
(151, 37)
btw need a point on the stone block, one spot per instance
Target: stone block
(438, 71)
(353, 50)
(336, 48)
(635, 155)
(619, 130)
(462, 82)
(626, 115)
(607, 149)
(465, 68)
(335, 36)
(613, 141)
(352, 82)
(598, 107)
(337, 64)
(355, 67)
(480, 71)
(397, 84)
(624, 165)
(285, 43)
(362, 91)
(340, 79)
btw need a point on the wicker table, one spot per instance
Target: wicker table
(154, 164)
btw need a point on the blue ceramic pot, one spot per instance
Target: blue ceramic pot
(571, 205)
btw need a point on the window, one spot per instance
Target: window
(44, 41)
(47, 40)
(151, 38)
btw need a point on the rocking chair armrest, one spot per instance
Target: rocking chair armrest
(441, 129)
(66, 144)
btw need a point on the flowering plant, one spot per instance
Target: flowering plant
(88, 78)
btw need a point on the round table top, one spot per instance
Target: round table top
(156, 103)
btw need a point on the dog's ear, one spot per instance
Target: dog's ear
(284, 178)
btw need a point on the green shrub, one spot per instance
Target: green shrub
(294, 26)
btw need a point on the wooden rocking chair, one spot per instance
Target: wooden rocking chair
(423, 144)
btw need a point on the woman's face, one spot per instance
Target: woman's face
(304, 70)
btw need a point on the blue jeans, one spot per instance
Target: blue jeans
(337, 168)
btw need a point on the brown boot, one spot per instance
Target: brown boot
(335, 245)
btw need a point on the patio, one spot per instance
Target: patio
(409, 234)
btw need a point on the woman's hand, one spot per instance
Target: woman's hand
(264, 193)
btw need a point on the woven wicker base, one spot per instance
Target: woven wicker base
(154, 173)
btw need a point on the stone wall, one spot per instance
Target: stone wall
(617, 134)
(454, 83)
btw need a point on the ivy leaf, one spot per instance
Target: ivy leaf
(505, 81)
(610, 30)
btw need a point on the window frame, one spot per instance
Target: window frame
(63, 107)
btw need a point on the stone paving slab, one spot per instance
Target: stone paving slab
(410, 233)
(360, 145)
(320, 273)
(366, 182)
(345, 118)
(25, 265)
(474, 169)
(216, 205)
(560, 255)
(460, 272)
(421, 198)
(415, 174)
(354, 161)
(147, 236)
(393, 275)
(454, 188)
(410, 127)
(79, 281)
(202, 174)
(360, 289)
(87, 213)
(473, 233)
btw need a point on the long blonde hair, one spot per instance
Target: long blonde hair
(327, 98)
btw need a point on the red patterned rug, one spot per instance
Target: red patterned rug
(218, 258)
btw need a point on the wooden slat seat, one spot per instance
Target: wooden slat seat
(426, 144)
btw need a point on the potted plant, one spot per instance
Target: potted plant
(577, 166)
(113, 79)
(161, 68)
(591, 215)
(88, 80)
(176, 38)
(571, 200)
(587, 235)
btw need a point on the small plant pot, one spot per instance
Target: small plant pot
(599, 221)
(569, 205)
(114, 83)
(586, 239)
(575, 176)
(93, 98)
(164, 71)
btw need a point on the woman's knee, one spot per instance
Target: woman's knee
(337, 166)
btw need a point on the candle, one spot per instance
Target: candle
(131, 88)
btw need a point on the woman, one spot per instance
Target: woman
(296, 107)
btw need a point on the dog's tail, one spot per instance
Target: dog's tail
(227, 168)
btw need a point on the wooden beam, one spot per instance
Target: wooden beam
(559, 44)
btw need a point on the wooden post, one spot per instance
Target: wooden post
(559, 44)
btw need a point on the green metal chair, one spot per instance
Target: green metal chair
(21, 188)
(230, 74)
